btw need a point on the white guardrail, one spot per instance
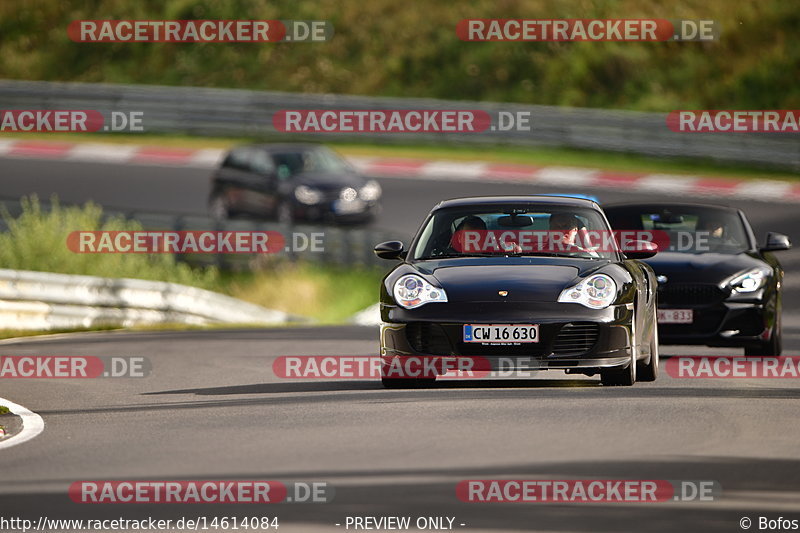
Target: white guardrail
(46, 301)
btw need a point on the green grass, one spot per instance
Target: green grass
(36, 240)
(411, 49)
(540, 156)
(165, 326)
(326, 294)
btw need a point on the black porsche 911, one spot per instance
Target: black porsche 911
(717, 287)
(571, 306)
(289, 182)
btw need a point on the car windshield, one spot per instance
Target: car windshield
(320, 160)
(685, 229)
(515, 230)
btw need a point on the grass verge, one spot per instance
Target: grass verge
(36, 240)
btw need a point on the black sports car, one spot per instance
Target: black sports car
(717, 287)
(569, 307)
(292, 182)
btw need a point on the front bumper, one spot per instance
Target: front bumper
(571, 337)
(726, 324)
(328, 212)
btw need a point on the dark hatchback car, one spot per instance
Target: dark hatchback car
(717, 287)
(292, 182)
(586, 311)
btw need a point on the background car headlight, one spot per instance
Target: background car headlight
(307, 195)
(412, 291)
(348, 194)
(596, 292)
(750, 281)
(371, 191)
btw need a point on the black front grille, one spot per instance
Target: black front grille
(428, 339)
(690, 294)
(575, 338)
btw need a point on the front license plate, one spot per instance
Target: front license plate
(675, 316)
(501, 333)
(343, 207)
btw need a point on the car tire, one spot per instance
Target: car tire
(625, 376)
(649, 371)
(218, 207)
(395, 383)
(772, 348)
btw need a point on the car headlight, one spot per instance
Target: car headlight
(750, 281)
(596, 292)
(370, 192)
(348, 194)
(412, 291)
(307, 195)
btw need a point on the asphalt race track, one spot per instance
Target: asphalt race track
(212, 409)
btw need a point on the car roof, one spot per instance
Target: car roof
(663, 205)
(504, 200)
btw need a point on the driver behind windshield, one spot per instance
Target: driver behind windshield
(564, 230)
(470, 223)
(716, 229)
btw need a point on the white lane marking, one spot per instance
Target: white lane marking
(362, 164)
(102, 152)
(32, 424)
(770, 189)
(466, 170)
(207, 157)
(567, 176)
(6, 145)
(451, 170)
(666, 183)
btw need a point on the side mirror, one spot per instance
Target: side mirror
(390, 250)
(636, 249)
(776, 242)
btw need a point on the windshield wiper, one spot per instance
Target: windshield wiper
(586, 255)
(454, 255)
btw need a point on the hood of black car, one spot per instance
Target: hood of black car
(701, 268)
(524, 278)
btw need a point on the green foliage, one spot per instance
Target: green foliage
(326, 293)
(410, 48)
(37, 240)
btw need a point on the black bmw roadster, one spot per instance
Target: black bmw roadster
(522, 282)
(716, 285)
